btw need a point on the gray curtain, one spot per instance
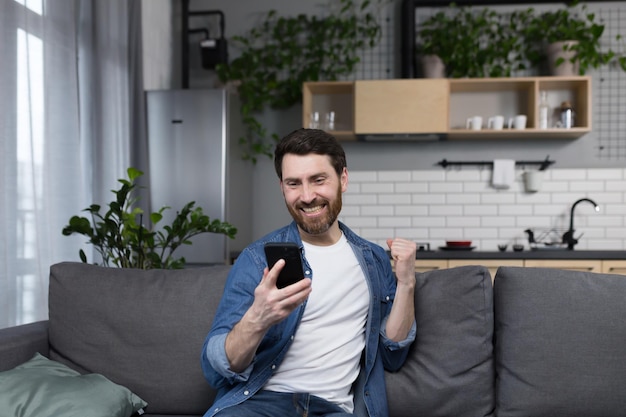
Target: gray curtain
(71, 122)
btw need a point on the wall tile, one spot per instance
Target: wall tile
(437, 205)
(394, 176)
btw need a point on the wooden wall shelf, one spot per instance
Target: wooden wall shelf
(442, 106)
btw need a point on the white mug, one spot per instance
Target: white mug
(474, 123)
(518, 122)
(495, 123)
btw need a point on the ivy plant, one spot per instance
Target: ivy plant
(122, 240)
(282, 52)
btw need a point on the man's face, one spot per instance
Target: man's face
(312, 191)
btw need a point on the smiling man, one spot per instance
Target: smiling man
(318, 347)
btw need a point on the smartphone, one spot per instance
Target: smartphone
(292, 272)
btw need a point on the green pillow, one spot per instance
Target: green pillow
(42, 387)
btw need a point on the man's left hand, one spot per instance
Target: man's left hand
(403, 255)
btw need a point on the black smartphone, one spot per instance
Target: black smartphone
(292, 272)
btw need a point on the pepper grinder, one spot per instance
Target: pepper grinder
(567, 115)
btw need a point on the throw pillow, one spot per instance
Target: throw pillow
(42, 387)
(450, 367)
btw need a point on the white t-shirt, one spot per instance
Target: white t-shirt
(324, 357)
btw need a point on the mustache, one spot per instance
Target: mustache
(314, 203)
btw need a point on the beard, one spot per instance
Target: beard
(319, 224)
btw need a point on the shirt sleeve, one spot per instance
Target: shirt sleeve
(216, 355)
(393, 345)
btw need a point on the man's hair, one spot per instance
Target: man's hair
(306, 141)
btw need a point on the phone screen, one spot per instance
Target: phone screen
(292, 272)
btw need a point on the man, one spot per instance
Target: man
(317, 347)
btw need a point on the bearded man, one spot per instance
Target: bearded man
(318, 347)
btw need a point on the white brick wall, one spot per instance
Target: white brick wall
(459, 203)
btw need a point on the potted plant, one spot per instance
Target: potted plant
(123, 241)
(473, 43)
(569, 40)
(282, 52)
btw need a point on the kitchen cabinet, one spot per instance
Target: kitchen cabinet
(425, 265)
(442, 106)
(400, 106)
(614, 267)
(587, 265)
(492, 265)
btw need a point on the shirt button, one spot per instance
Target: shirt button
(292, 337)
(246, 392)
(387, 298)
(273, 366)
(307, 272)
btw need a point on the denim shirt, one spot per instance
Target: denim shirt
(380, 352)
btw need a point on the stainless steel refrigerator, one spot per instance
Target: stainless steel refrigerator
(194, 156)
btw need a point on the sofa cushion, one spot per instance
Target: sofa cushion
(450, 369)
(141, 329)
(560, 343)
(43, 387)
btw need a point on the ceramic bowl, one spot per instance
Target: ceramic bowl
(458, 243)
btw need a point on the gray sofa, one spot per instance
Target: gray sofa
(540, 342)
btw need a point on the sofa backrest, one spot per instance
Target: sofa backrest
(141, 329)
(145, 329)
(450, 367)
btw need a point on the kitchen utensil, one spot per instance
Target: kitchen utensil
(518, 122)
(495, 123)
(518, 247)
(532, 181)
(457, 248)
(458, 243)
(502, 247)
(474, 123)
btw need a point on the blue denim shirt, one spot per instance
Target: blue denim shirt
(380, 352)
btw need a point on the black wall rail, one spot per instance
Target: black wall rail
(543, 165)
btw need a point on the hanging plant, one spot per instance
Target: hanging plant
(283, 52)
(121, 239)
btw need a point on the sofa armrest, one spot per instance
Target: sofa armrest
(18, 344)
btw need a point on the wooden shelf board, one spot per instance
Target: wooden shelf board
(515, 134)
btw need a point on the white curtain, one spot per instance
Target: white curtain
(70, 122)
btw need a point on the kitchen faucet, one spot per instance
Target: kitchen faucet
(568, 237)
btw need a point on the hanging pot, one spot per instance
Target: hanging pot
(563, 49)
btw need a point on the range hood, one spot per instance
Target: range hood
(400, 137)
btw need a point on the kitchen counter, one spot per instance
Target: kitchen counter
(525, 254)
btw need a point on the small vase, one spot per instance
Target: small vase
(563, 50)
(433, 67)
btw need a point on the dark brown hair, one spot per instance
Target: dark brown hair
(306, 141)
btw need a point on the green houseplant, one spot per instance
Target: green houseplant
(282, 52)
(573, 31)
(474, 43)
(122, 240)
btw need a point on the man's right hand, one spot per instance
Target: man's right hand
(271, 305)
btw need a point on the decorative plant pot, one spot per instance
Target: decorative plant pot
(558, 50)
(433, 67)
